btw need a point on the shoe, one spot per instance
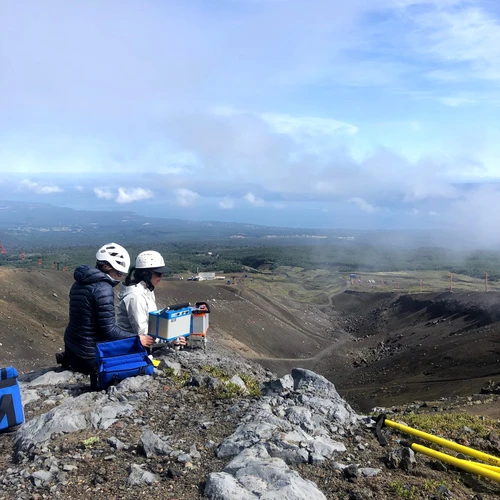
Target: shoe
(61, 359)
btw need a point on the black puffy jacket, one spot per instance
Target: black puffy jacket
(91, 312)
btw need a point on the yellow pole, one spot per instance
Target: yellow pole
(489, 467)
(485, 466)
(444, 442)
(457, 462)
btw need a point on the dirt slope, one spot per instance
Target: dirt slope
(378, 348)
(34, 314)
(420, 347)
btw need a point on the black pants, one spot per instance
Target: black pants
(78, 364)
(87, 366)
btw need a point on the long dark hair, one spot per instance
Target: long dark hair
(135, 276)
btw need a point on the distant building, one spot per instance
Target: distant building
(206, 276)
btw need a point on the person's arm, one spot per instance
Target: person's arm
(105, 315)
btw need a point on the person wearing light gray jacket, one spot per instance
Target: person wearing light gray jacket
(136, 296)
(136, 301)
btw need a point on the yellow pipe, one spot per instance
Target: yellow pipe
(444, 442)
(489, 467)
(486, 466)
(457, 462)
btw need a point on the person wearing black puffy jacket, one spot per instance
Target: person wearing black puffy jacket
(92, 309)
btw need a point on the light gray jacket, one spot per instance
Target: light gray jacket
(136, 301)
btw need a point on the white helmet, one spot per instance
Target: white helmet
(151, 260)
(115, 255)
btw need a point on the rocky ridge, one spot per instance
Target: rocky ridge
(198, 429)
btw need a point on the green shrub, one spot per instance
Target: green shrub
(91, 441)
(449, 423)
(404, 490)
(252, 384)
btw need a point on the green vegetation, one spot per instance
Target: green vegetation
(179, 380)
(450, 424)
(91, 441)
(404, 490)
(169, 372)
(229, 389)
(71, 237)
(252, 384)
(431, 485)
(216, 372)
(336, 258)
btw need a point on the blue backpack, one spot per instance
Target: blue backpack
(120, 359)
(11, 407)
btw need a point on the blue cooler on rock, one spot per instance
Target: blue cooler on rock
(119, 359)
(11, 407)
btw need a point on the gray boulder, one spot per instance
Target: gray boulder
(151, 444)
(28, 396)
(253, 474)
(222, 486)
(236, 380)
(87, 411)
(53, 378)
(136, 384)
(176, 367)
(139, 477)
(284, 384)
(41, 478)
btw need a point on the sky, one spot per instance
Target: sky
(364, 114)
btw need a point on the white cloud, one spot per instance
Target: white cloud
(279, 206)
(124, 195)
(227, 203)
(432, 213)
(302, 128)
(254, 200)
(440, 3)
(104, 193)
(309, 133)
(79, 188)
(455, 101)
(129, 195)
(39, 187)
(466, 38)
(186, 197)
(363, 205)
(279, 138)
(238, 152)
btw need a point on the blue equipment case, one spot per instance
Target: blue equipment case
(120, 359)
(11, 407)
(171, 322)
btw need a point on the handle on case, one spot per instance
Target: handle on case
(174, 307)
(198, 304)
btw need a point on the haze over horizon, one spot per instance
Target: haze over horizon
(375, 114)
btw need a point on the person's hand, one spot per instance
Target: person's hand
(146, 340)
(179, 342)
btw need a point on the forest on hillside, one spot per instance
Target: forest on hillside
(192, 257)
